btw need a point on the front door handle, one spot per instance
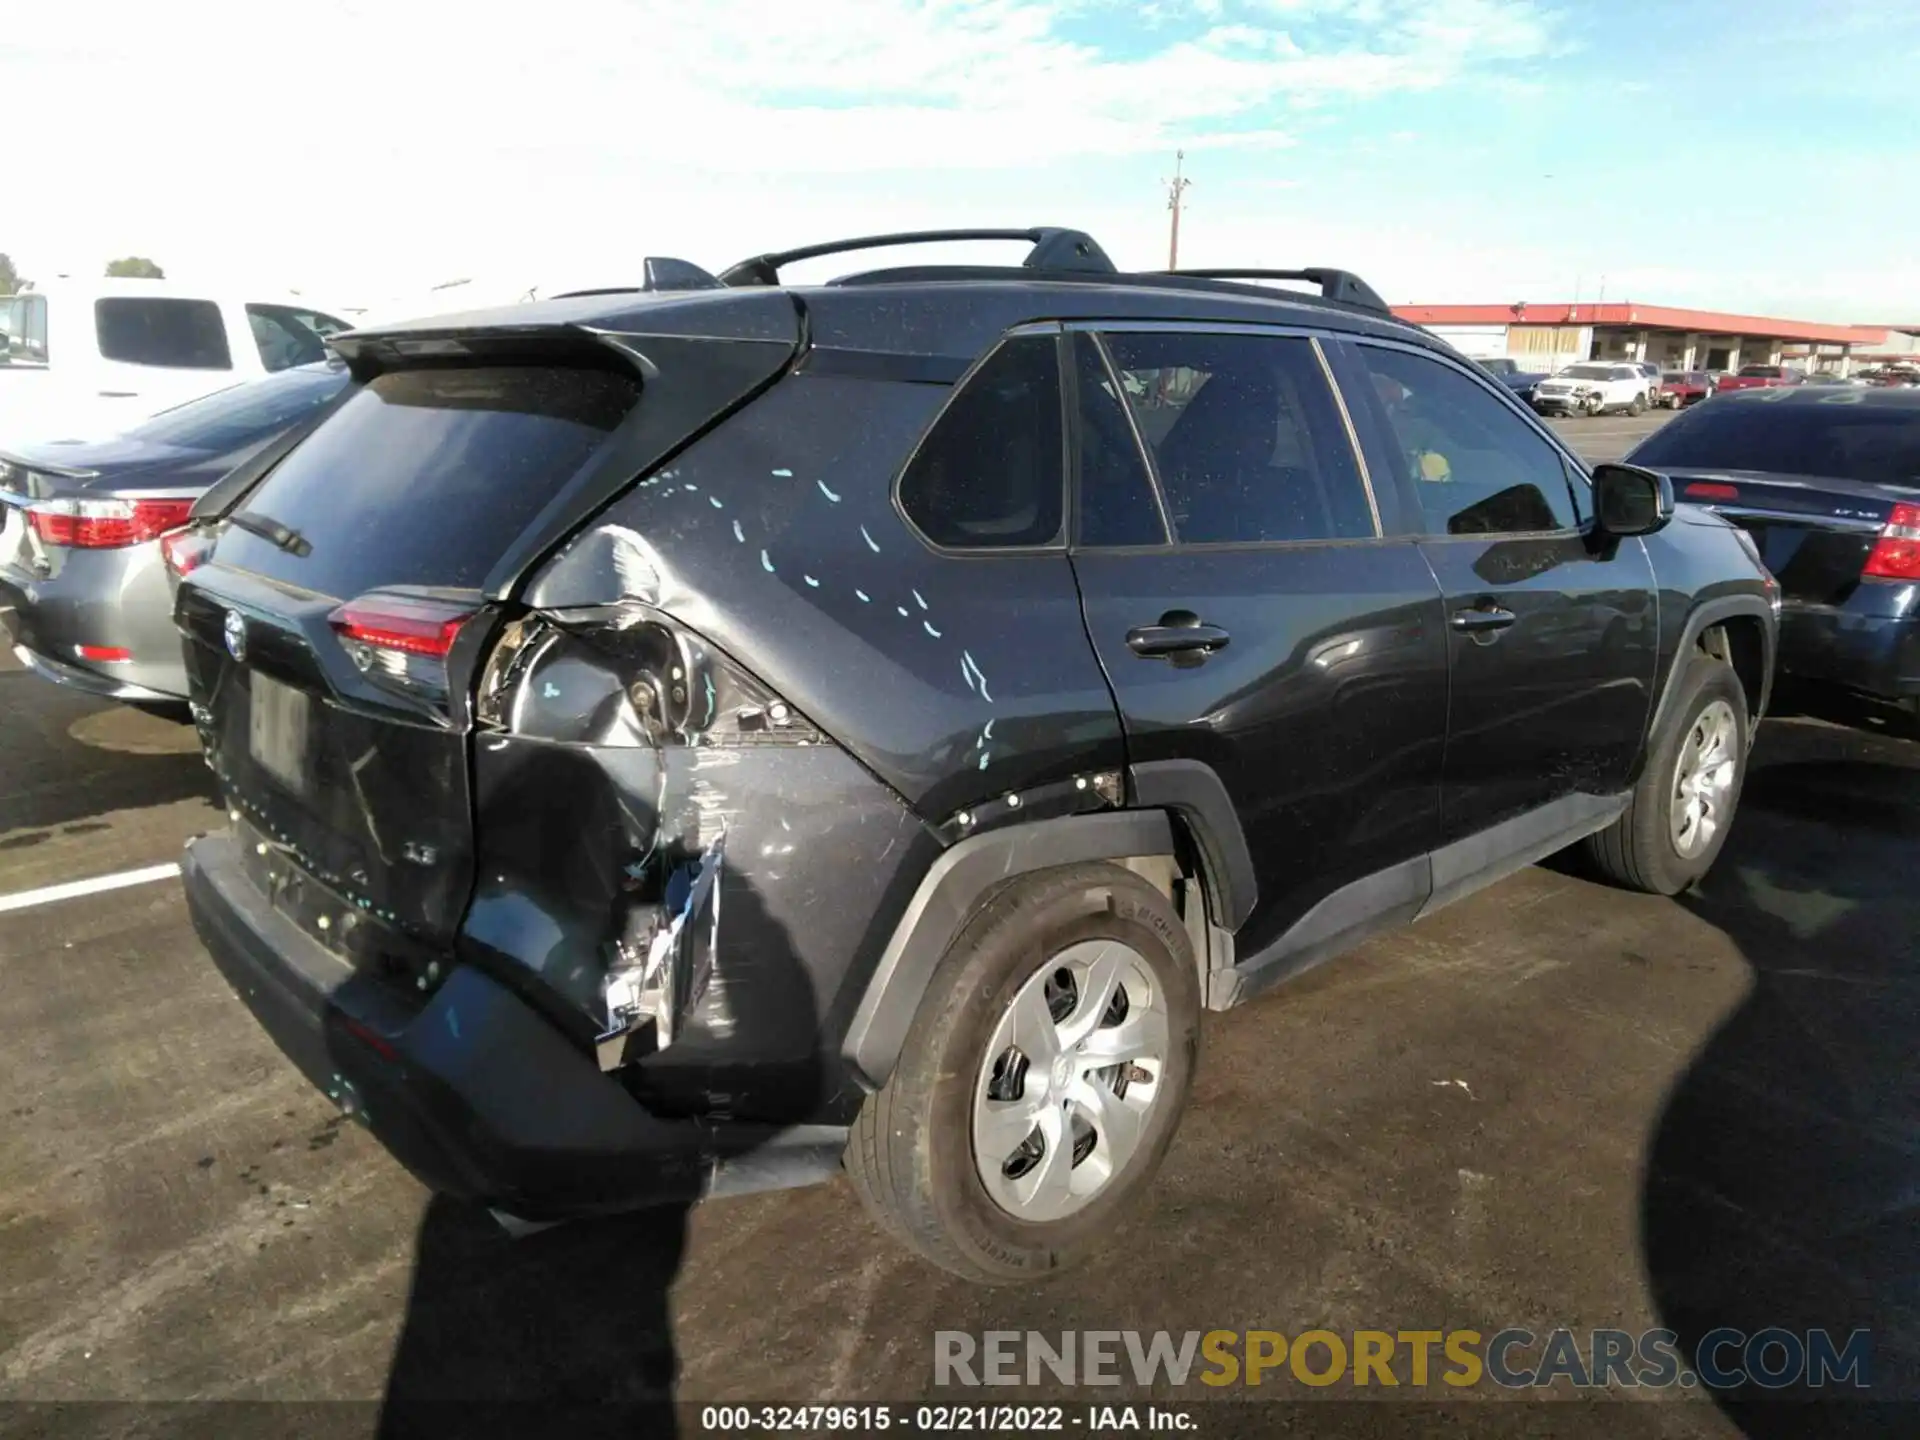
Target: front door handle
(1181, 636)
(1483, 620)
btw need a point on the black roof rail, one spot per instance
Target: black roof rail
(1342, 285)
(1054, 248)
(662, 272)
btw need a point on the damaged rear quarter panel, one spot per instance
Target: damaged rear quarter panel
(954, 678)
(576, 838)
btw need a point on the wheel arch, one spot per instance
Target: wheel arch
(950, 894)
(1739, 629)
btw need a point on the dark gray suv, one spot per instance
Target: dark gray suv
(691, 739)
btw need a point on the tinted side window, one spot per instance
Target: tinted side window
(1117, 504)
(1472, 466)
(1245, 436)
(23, 318)
(176, 334)
(991, 472)
(284, 337)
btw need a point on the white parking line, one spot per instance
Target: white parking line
(73, 889)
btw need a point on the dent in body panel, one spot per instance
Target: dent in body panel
(703, 909)
(954, 678)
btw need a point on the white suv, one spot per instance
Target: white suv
(82, 360)
(1591, 388)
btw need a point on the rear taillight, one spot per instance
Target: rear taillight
(1896, 554)
(644, 682)
(185, 550)
(86, 524)
(401, 640)
(1707, 490)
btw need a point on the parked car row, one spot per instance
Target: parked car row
(864, 726)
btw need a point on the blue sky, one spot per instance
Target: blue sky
(1736, 154)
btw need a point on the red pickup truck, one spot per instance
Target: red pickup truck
(1759, 377)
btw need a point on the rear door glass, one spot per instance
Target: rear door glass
(426, 477)
(23, 320)
(1246, 439)
(172, 334)
(285, 337)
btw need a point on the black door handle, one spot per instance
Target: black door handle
(1180, 635)
(1483, 620)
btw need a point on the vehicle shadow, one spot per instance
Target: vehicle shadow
(1782, 1184)
(70, 758)
(569, 1328)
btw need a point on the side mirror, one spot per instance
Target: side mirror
(1629, 500)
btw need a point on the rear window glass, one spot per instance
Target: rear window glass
(242, 414)
(426, 477)
(174, 334)
(1836, 436)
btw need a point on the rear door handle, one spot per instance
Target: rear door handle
(1180, 635)
(1483, 620)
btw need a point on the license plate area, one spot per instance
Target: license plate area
(278, 728)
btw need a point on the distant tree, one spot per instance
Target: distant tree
(135, 267)
(10, 280)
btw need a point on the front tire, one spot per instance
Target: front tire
(1677, 819)
(1041, 1081)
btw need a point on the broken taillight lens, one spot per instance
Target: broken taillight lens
(643, 680)
(185, 551)
(87, 524)
(401, 640)
(1896, 554)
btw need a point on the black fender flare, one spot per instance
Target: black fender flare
(947, 898)
(1192, 790)
(1703, 616)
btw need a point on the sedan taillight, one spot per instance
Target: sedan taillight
(85, 524)
(1896, 554)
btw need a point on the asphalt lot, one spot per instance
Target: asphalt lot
(1552, 1105)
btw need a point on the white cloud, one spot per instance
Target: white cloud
(407, 138)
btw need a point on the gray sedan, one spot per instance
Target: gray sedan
(82, 522)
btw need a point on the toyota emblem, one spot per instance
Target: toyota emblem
(236, 632)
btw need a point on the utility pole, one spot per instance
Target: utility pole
(1176, 188)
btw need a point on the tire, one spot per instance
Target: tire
(1644, 849)
(1594, 406)
(911, 1155)
(1637, 406)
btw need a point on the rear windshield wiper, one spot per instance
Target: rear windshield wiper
(267, 528)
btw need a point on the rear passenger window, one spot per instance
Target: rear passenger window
(1117, 504)
(991, 472)
(1246, 439)
(285, 337)
(175, 334)
(1473, 466)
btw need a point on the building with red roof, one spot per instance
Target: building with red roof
(1545, 335)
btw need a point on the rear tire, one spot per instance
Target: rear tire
(1678, 816)
(924, 1154)
(1637, 406)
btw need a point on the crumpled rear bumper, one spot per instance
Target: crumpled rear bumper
(475, 1092)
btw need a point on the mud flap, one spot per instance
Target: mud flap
(647, 1003)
